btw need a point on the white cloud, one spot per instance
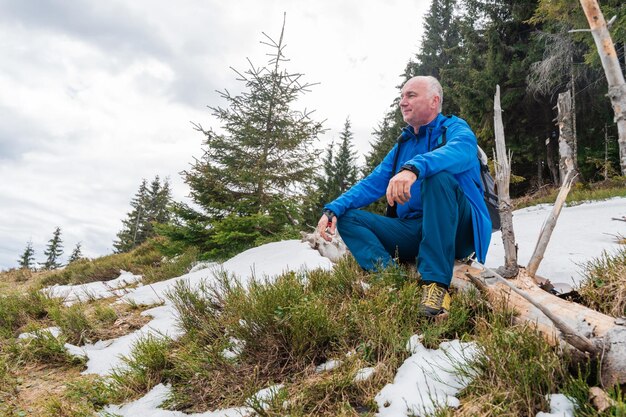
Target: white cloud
(97, 96)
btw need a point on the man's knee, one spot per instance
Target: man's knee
(348, 219)
(441, 180)
(443, 177)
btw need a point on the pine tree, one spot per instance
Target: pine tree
(53, 251)
(131, 234)
(76, 254)
(250, 181)
(344, 165)
(149, 207)
(441, 41)
(440, 47)
(327, 182)
(27, 259)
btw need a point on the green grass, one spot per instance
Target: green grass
(17, 310)
(74, 323)
(285, 327)
(603, 287)
(147, 260)
(142, 369)
(289, 325)
(44, 348)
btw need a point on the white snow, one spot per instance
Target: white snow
(54, 331)
(105, 355)
(364, 374)
(235, 349)
(149, 404)
(93, 290)
(560, 406)
(582, 232)
(328, 366)
(428, 379)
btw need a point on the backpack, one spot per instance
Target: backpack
(489, 185)
(491, 196)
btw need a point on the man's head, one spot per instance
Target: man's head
(420, 100)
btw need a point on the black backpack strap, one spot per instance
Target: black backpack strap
(392, 211)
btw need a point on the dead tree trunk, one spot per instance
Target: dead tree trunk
(549, 225)
(567, 141)
(550, 157)
(614, 75)
(502, 164)
(575, 324)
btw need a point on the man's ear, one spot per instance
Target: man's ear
(435, 101)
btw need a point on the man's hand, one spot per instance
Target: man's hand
(399, 188)
(326, 224)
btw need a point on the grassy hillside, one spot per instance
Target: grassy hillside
(278, 332)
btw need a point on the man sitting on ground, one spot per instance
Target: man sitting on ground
(436, 211)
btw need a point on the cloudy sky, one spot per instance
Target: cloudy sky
(96, 95)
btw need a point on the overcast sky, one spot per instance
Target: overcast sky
(96, 95)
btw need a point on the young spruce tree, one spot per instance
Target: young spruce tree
(53, 251)
(251, 180)
(27, 260)
(346, 170)
(76, 254)
(149, 207)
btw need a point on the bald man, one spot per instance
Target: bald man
(436, 212)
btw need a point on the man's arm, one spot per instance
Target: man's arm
(366, 191)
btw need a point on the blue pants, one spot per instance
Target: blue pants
(433, 241)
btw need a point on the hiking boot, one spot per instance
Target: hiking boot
(435, 300)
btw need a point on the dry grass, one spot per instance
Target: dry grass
(38, 384)
(604, 286)
(615, 187)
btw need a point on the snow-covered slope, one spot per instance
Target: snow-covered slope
(582, 233)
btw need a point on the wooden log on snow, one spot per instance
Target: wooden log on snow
(578, 323)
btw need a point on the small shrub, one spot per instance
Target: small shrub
(281, 322)
(44, 348)
(198, 311)
(16, 310)
(203, 379)
(604, 285)
(334, 393)
(94, 392)
(516, 370)
(74, 323)
(171, 267)
(142, 369)
(104, 314)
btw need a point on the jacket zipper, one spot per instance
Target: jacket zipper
(430, 133)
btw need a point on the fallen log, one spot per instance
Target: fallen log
(600, 336)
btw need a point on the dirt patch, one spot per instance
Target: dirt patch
(128, 321)
(37, 384)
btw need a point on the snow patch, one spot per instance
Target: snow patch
(93, 290)
(560, 406)
(427, 380)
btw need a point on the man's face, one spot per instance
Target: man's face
(418, 105)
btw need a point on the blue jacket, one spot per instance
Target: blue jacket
(426, 153)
